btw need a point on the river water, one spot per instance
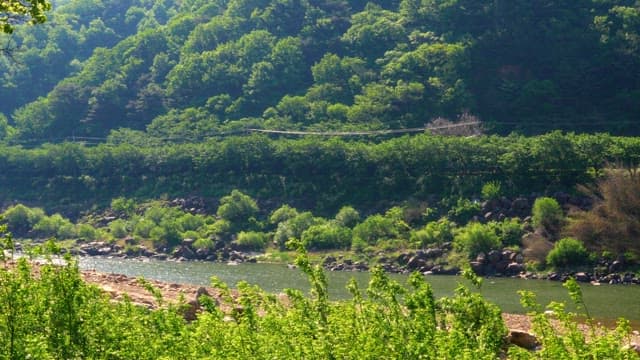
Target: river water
(606, 302)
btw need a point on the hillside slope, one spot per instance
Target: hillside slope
(186, 69)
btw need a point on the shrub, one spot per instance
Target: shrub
(294, 227)
(491, 190)
(568, 252)
(547, 214)
(54, 225)
(20, 219)
(251, 240)
(327, 236)
(191, 222)
(203, 243)
(283, 213)
(463, 211)
(435, 232)
(509, 231)
(143, 228)
(348, 217)
(86, 232)
(614, 221)
(375, 228)
(123, 206)
(118, 228)
(476, 238)
(239, 209)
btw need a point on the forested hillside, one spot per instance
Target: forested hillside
(187, 69)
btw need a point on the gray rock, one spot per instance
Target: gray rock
(514, 268)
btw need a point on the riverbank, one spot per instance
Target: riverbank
(119, 286)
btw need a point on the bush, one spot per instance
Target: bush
(86, 232)
(123, 206)
(190, 222)
(568, 252)
(476, 238)
(203, 243)
(491, 190)
(327, 236)
(54, 225)
(463, 211)
(375, 228)
(118, 228)
(613, 223)
(348, 217)
(435, 232)
(509, 231)
(143, 228)
(283, 213)
(21, 219)
(239, 209)
(251, 240)
(547, 214)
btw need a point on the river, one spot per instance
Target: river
(606, 302)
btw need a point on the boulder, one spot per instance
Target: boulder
(522, 339)
(582, 277)
(494, 257)
(514, 268)
(477, 267)
(416, 262)
(433, 253)
(188, 242)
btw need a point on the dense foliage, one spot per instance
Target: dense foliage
(14, 12)
(187, 69)
(311, 173)
(48, 312)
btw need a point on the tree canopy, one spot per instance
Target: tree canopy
(14, 12)
(188, 69)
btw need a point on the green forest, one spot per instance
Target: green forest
(186, 70)
(500, 137)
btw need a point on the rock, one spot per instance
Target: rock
(481, 258)
(416, 262)
(184, 252)
(632, 347)
(328, 260)
(616, 266)
(582, 277)
(402, 259)
(520, 204)
(188, 242)
(477, 267)
(202, 253)
(522, 339)
(494, 256)
(514, 268)
(502, 265)
(433, 253)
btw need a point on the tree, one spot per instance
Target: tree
(14, 12)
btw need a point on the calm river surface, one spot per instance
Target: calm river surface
(604, 302)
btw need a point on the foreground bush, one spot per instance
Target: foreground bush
(55, 315)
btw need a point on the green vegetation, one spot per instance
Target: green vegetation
(547, 214)
(566, 252)
(54, 314)
(185, 70)
(477, 238)
(18, 11)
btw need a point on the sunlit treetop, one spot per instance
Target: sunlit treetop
(13, 12)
